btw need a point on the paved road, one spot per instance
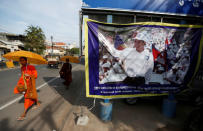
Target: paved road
(9, 78)
(56, 101)
(60, 107)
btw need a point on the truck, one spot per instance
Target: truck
(53, 61)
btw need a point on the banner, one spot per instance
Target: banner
(173, 7)
(140, 59)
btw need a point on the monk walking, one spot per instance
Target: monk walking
(66, 73)
(27, 81)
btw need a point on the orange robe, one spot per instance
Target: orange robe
(32, 72)
(66, 73)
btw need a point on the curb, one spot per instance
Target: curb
(5, 69)
(9, 65)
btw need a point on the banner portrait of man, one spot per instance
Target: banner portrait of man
(130, 60)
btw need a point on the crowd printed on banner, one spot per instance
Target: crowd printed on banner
(196, 3)
(163, 57)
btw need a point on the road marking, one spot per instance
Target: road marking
(11, 102)
(20, 97)
(47, 82)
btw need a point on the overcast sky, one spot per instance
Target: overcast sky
(58, 18)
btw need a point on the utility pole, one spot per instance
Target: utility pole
(52, 46)
(80, 32)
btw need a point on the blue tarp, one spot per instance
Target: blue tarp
(179, 7)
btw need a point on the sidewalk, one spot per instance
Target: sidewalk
(144, 116)
(60, 108)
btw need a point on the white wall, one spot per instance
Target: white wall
(54, 51)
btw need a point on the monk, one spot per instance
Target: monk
(66, 73)
(28, 77)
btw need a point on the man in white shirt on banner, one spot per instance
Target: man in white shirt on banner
(137, 62)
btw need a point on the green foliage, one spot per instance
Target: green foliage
(35, 39)
(74, 51)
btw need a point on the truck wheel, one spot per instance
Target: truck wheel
(56, 66)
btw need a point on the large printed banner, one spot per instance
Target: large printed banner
(177, 7)
(140, 59)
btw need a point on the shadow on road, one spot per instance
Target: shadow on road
(5, 125)
(21, 100)
(145, 115)
(76, 93)
(76, 88)
(44, 118)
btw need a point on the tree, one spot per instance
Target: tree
(74, 51)
(35, 39)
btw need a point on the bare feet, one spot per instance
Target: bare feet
(21, 118)
(36, 106)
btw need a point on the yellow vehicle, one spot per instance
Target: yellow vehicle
(53, 61)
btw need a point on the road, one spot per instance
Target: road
(9, 78)
(52, 94)
(60, 107)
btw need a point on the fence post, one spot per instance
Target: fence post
(106, 106)
(169, 106)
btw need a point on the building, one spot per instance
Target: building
(47, 42)
(59, 48)
(60, 44)
(56, 50)
(72, 45)
(9, 43)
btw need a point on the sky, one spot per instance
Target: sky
(57, 18)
